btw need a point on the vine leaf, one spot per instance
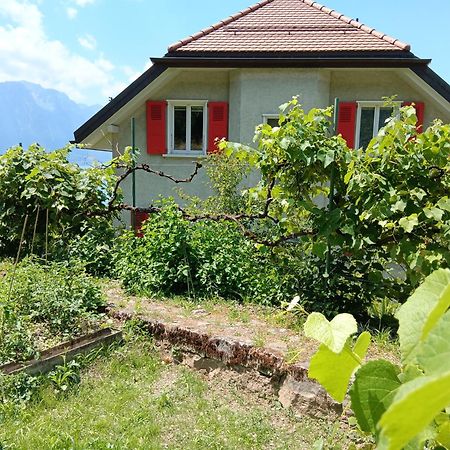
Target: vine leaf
(334, 370)
(332, 334)
(418, 316)
(408, 223)
(443, 436)
(414, 407)
(434, 355)
(372, 392)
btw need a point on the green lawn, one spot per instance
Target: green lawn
(131, 400)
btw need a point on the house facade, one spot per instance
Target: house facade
(232, 76)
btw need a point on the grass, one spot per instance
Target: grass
(131, 400)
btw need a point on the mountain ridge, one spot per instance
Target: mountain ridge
(30, 113)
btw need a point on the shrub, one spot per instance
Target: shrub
(352, 284)
(214, 258)
(157, 262)
(211, 258)
(94, 247)
(228, 265)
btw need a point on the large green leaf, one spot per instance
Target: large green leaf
(333, 334)
(434, 354)
(334, 370)
(443, 436)
(420, 313)
(414, 407)
(373, 391)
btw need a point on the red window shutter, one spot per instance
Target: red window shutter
(156, 128)
(217, 124)
(347, 122)
(420, 113)
(139, 219)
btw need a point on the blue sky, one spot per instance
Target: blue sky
(92, 49)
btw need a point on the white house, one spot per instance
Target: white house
(232, 76)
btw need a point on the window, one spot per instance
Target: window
(187, 127)
(271, 119)
(370, 117)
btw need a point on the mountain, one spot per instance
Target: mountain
(29, 113)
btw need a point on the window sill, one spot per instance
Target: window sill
(172, 155)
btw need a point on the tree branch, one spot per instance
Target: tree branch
(238, 219)
(129, 171)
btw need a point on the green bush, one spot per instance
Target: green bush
(214, 258)
(93, 247)
(210, 258)
(351, 286)
(157, 262)
(228, 265)
(45, 301)
(54, 196)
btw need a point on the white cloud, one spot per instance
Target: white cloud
(130, 73)
(27, 53)
(104, 64)
(82, 3)
(71, 12)
(88, 41)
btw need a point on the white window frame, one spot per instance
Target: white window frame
(171, 127)
(266, 117)
(372, 104)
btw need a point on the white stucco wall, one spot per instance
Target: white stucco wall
(255, 92)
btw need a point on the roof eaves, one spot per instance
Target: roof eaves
(359, 25)
(433, 80)
(118, 102)
(361, 60)
(218, 25)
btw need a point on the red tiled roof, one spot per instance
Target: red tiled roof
(288, 26)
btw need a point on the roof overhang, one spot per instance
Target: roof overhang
(130, 99)
(119, 106)
(245, 61)
(432, 82)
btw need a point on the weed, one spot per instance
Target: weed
(164, 401)
(65, 376)
(239, 314)
(177, 353)
(259, 340)
(54, 299)
(293, 355)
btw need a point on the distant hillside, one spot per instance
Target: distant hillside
(29, 113)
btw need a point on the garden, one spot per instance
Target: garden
(347, 249)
